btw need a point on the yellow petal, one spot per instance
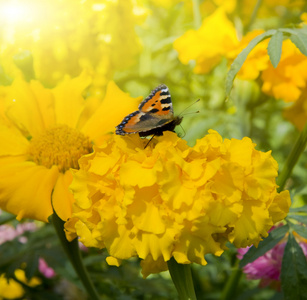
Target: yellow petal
(22, 108)
(114, 107)
(151, 266)
(132, 173)
(280, 206)
(112, 261)
(115, 243)
(253, 224)
(10, 289)
(62, 198)
(21, 276)
(69, 101)
(12, 142)
(45, 102)
(147, 217)
(25, 190)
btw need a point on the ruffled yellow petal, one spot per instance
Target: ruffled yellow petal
(25, 190)
(133, 173)
(253, 224)
(279, 207)
(151, 266)
(172, 200)
(115, 241)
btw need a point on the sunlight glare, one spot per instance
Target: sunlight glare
(13, 12)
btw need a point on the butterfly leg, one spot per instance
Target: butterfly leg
(149, 140)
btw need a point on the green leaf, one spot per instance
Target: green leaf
(299, 209)
(300, 41)
(274, 48)
(238, 62)
(299, 229)
(298, 38)
(299, 218)
(294, 271)
(268, 243)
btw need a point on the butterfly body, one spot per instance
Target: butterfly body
(154, 116)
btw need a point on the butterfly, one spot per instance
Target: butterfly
(154, 116)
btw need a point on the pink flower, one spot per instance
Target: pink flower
(8, 232)
(45, 269)
(268, 266)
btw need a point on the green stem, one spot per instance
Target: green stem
(73, 253)
(24, 61)
(292, 159)
(182, 279)
(6, 217)
(232, 283)
(196, 13)
(253, 16)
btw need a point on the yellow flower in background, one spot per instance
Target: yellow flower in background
(207, 7)
(172, 200)
(297, 112)
(209, 44)
(43, 133)
(11, 289)
(256, 61)
(65, 37)
(287, 81)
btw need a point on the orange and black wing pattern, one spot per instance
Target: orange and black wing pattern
(154, 116)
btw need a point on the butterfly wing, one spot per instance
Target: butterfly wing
(154, 112)
(158, 102)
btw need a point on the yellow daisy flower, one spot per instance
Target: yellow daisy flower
(172, 200)
(43, 133)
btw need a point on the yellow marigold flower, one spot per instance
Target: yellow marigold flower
(43, 133)
(287, 81)
(297, 112)
(256, 61)
(11, 289)
(209, 44)
(172, 200)
(67, 36)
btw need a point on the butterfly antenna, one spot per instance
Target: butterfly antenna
(189, 113)
(149, 141)
(183, 131)
(189, 107)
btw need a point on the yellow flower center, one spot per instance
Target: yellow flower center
(61, 146)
